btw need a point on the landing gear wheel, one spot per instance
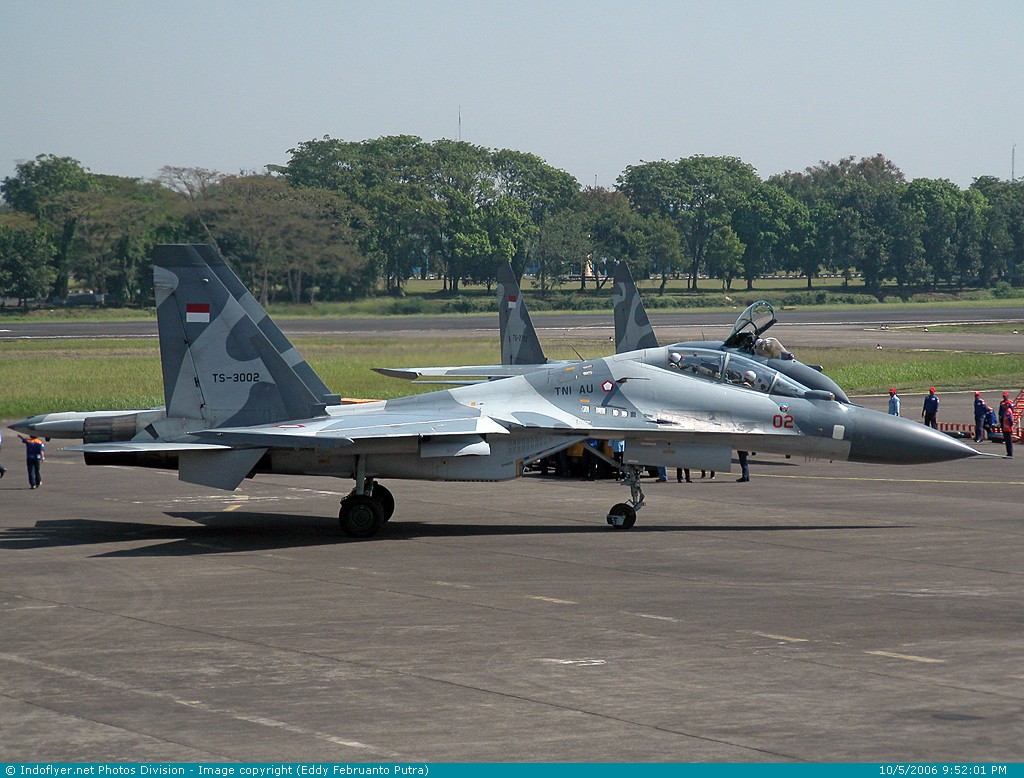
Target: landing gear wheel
(386, 499)
(361, 516)
(622, 516)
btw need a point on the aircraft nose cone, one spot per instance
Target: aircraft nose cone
(883, 439)
(25, 426)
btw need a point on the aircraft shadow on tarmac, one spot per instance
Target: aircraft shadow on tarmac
(251, 532)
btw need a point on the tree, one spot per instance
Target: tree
(25, 254)
(46, 188)
(725, 253)
(971, 220)
(664, 251)
(698, 193)
(938, 202)
(617, 233)
(1002, 256)
(119, 222)
(562, 244)
(282, 237)
(764, 222)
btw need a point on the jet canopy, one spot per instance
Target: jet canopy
(750, 325)
(732, 368)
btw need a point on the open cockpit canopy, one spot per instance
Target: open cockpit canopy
(750, 325)
(732, 368)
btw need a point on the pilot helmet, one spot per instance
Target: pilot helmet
(750, 376)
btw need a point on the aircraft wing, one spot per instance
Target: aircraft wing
(133, 447)
(354, 429)
(464, 374)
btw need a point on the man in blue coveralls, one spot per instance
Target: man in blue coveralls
(35, 453)
(930, 409)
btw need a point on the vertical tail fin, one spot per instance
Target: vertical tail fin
(633, 328)
(267, 326)
(218, 366)
(519, 342)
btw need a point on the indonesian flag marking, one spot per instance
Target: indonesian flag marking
(198, 313)
(511, 300)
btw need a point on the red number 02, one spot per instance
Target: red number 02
(782, 422)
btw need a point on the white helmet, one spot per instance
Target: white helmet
(750, 377)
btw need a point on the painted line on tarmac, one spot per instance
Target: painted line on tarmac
(758, 476)
(112, 683)
(652, 616)
(551, 599)
(783, 638)
(906, 657)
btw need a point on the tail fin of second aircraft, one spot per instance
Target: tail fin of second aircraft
(633, 328)
(218, 366)
(519, 342)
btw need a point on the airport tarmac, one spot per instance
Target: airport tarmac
(821, 612)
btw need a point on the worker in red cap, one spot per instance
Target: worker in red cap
(931, 409)
(1006, 422)
(894, 402)
(1004, 406)
(980, 411)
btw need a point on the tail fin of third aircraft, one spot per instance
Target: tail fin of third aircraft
(633, 328)
(218, 366)
(519, 342)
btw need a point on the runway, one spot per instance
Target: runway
(821, 612)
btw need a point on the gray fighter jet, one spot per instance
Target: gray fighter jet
(633, 330)
(236, 408)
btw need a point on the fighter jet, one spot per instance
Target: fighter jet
(633, 330)
(521, 351)
(236, 409)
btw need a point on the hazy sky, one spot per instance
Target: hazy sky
(591, 87)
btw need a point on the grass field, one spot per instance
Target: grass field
(52, 375)
(427, 297)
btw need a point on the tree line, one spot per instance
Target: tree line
(343, 219)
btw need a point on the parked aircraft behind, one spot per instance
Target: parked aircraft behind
(236, 408)
(521, 351)
(633, 330)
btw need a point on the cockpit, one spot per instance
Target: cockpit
(731, 368)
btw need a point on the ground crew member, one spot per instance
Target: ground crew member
(35, 454)
(1006, 423)
(931, 409)
(980, 412)
(894, 403)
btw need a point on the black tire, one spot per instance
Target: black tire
(386, 499)
(361, 516)
(627, 512)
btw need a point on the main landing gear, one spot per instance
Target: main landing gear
(363, 514)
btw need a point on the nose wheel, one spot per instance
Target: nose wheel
(623, 514)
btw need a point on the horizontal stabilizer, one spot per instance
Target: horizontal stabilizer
(219, 469)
